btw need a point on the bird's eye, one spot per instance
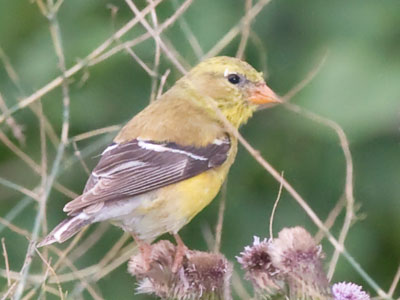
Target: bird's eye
(234, 78)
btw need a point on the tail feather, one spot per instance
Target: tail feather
(66, 229)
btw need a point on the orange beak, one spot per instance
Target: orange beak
(262, 94)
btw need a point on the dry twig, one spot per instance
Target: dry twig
(15, 228)
(3, 245)
(193, 41)
(220, 220)
(395, 282)
(16, 129)
(32, 164)
(47, 263)
(156, 56)
(80, 65)
(330, 220)
(156, 35)
(245, 30)
(231, 34)
(271, 220)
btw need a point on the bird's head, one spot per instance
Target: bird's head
(235, 86)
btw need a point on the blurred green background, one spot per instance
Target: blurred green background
(358, 87)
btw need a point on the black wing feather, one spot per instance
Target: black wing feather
(137, 167)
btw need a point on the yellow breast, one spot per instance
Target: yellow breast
(197, 192)
(169, 208)
(172, 207)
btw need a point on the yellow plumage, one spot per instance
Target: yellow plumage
(181, 142)
(175, 205)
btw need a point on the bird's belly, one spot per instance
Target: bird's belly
(170, 208)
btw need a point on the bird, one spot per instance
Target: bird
(171, 159)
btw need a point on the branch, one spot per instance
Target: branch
(156, 35)
(77, 67)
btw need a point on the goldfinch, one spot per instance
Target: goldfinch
(169, 161)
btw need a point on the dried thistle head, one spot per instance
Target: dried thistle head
(159, 277)
(288, 265)
(296, 254)
(256, 261)
(208, 272)
(201, 276)
(348, 291)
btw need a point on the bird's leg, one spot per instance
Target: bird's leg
(179, 254)
(145, 250)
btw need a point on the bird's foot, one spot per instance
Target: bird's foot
(145, 250)
(179, 254)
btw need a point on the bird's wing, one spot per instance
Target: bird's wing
(140, 166)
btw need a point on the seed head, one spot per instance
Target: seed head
(289, 265)
(202, 275)
(295, 253)
(256, 261)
